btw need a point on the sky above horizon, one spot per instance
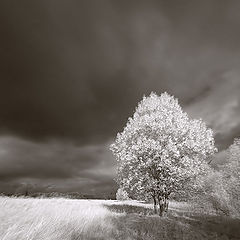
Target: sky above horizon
(72, 72)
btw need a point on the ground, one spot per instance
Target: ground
(66, 219)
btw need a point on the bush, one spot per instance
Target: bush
(210, 194)
(231, 176)
(220, 190)
(122, 195)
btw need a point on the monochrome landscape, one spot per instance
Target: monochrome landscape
(120, 120)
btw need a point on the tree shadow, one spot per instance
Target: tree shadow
(125, 208)
(140, 222)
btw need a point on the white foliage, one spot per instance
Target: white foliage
(232, 169)
(231, 175)
(160, 147)
(122, 195)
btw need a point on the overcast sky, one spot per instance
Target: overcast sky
(72, 72)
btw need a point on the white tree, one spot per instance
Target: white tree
(160, 149)
(232, 168)
(121, 195)
(231, 175)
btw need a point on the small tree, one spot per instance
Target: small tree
(160, 149)
(211, 193)
(231, 175)
(121, 195)
(232, 168)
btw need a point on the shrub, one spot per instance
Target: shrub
(212, 195)
(231, 176)
(122, 195)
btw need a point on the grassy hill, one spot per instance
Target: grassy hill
(70, 219)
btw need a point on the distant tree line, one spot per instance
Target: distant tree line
(70, 195)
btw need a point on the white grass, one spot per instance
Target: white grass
(50, 219)
(60, 219)
(65, 219)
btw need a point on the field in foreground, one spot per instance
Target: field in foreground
(63, 219)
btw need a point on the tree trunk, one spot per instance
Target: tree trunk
(166, 202)
(155, 205)
(161, 206)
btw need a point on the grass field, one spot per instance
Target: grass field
(64, 219)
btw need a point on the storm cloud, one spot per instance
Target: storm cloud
(55, 164)
(72, 72)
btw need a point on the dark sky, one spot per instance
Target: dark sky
(72, 72)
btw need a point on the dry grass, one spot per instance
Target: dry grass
(62, 219)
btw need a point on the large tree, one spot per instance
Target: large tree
(160, 149)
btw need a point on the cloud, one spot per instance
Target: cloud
(76, 70)
(219, 106)
(72, 73)
(54, 164)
